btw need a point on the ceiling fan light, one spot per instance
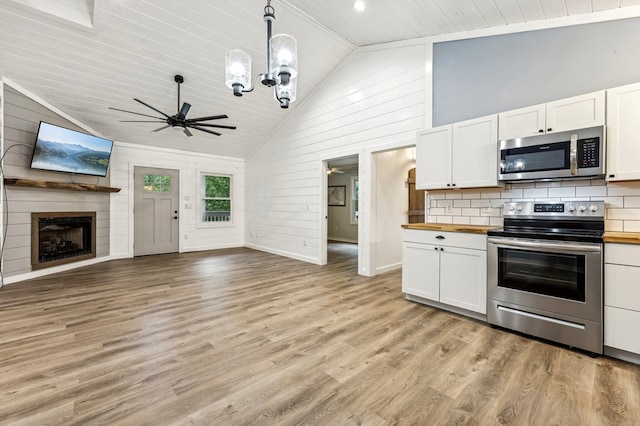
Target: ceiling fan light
(237, 71)
(284, 56)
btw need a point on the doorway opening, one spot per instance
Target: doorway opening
(342, 209)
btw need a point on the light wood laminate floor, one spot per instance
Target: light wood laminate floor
(234, 337)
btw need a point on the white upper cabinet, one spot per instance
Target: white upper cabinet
(577, 112)
(460, 155)
(623, 133)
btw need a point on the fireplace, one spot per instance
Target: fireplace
(62, 237)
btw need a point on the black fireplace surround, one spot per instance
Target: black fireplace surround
(62, 237)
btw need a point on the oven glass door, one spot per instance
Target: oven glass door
(536, 158)
(552, 274)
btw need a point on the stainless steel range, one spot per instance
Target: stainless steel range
(544, 271)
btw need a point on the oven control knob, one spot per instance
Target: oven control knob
(572, 208)
(519, 208)
(511, 208)
(582, 208)
(593, 208)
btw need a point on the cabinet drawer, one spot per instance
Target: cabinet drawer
(622, 286)
(622, 254)
(620, 329)
(451, 239)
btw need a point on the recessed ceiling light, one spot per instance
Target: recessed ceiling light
(359, 5)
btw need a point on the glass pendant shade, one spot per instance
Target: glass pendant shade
(286, 93)
(284, 57)
(237, 71)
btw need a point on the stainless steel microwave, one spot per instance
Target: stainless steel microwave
(573, 154)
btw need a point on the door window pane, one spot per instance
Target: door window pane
(157, 183)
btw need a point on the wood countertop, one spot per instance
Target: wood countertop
(622, 237)
(470, 229)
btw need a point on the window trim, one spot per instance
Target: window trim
(352, 198)
(199, 222)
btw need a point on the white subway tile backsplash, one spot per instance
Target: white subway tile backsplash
(470, 195)
(535, 193)
(470, 212)
(562, 192)
(591, 191)
(611, 202)
(631, 202)
(462, 220)
(613, 225)
(484, 221)
(490, 194)
(445, 219)
(623, 214)
(453, 195)
(512, 193)
(484, 207)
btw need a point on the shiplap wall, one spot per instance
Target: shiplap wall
(194, 236)
(375, 98)
(22, 116)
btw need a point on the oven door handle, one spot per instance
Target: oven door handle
(562, 247)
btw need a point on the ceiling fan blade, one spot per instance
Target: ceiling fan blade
(149, 106)
(142, 121)
(184, 110)
(211, 117)
(161, 128)
(205, 130)
(136, 113)
(220, 126)
(187, 132)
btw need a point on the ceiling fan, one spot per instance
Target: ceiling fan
(180, 119)
(334, 170)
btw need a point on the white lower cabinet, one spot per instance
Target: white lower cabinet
(446, 267)
(622, 297)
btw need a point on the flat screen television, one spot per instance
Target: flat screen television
(63, 150)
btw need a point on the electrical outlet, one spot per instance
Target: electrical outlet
(448, 206)
(304, 243)
(486, 208)
(186, 237)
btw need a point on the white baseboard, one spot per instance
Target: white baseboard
(54, 269)
(210, 247)
(296, 256)
(342, 240)
(387, 268)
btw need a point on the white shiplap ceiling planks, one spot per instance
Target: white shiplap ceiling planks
(135, 48)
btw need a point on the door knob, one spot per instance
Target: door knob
(175, 217)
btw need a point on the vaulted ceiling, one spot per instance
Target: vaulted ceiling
(83, 56)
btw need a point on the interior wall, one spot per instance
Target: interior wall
(479, 76)
(194, 236)
(339, 227)
(22, 115)
(358, 108)
(392, 203)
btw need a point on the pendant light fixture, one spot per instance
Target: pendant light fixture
(282, 65)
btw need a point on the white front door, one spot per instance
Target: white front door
(156, 219)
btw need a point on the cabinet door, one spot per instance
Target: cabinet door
(421, 270)
(433, 158)
(577, 112)
(521, 122)
(475, 153)
(623, 133)
(463, 278)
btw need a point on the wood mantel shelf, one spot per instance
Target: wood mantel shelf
(45, 184)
